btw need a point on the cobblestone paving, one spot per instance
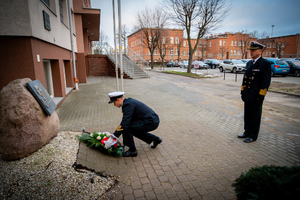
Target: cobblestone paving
(200, 156)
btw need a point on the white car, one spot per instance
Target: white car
(184, 64)
(199, 65)
(232, 65)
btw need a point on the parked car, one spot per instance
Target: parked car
(278, 67)
(170, 64)
(212, 63)
(184, 64)
(245, 60)
(177, 64)
(199, 65)
(294, 67)
(232, 65)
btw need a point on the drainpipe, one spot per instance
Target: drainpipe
(72, 45)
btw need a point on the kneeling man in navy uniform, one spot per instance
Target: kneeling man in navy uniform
(255, 85)
(138, 119)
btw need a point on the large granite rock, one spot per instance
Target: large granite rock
(24, 127)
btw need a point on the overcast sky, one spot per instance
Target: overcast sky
(250, 15)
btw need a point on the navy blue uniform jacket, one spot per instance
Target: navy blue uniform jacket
(256, 80)
(135, 113)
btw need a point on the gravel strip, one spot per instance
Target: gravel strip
(48, 174)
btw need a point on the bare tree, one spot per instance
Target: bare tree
(244, 39)
(280, 46)
(100, 45)
(197, 16)
(178, 46)
(124, 32)
(222, 51)
(162, 46)
(151, 23)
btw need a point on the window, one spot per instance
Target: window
(196, 52)
(239, 43)
(164, 40)
(231, 43)
(164, 51)
(203, 53)
(172, 40)
(171, 51)
(209, 44)
(176, 40)
(176, 51)
(235, 43)
(282, 44)
(282, 52)
(200, 44)
(155, 52)
(234, 52)
(184, 52)
(184, 43)
(220, 42)
(50, 4)
(239, 52)
(274, 45)
(231, 52)
(223, 42)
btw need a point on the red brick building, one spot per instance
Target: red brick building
(222, 46)
(282, 47)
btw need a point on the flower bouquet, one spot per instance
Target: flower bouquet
(97, 141)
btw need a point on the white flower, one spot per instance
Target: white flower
(99, 138)
(91, 134)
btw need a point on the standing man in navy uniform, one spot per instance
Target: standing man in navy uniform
(255, 85)
(138, 119)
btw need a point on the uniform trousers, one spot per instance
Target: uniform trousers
(139, 129)
(252, 118)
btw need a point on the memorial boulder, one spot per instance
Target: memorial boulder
(24, 125)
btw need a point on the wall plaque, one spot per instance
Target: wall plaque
(42, 96)
(46, 21)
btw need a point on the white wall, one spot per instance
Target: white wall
(25, 18)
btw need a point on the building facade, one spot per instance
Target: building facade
(282, 47)
(222, 46)
(36, 42)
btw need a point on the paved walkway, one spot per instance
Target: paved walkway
(200, 156)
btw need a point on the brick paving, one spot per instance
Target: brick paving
(200, 156)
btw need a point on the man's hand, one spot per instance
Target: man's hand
(108, 142)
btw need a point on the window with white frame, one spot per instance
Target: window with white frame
(231, 42)
(184, 52)
(223, 42)
(234, 52)
(172, 51)
(196, 52)
(172, 40)
(231, 52)
(209, 43)
(176, 51)
(235, 43)
(176, 40)
(184, 43)
(220, 42)
(164, 40)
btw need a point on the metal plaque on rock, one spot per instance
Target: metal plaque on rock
(42, 96)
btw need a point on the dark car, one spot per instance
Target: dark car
(170, 64)
(177, 64)
(279, 67)
(294, 67)
(212, 63)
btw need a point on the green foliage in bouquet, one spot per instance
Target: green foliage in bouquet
(97, 141)
(269, 182)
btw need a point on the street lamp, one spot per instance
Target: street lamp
(272, 30)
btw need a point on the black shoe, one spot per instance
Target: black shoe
(248, 140)
(156, 142)
(130, 154)
(242, 136)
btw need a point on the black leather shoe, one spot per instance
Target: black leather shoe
(156, 142)
(130, 154)
(242, 136)
(248, 140)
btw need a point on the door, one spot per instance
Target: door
(48, 77)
